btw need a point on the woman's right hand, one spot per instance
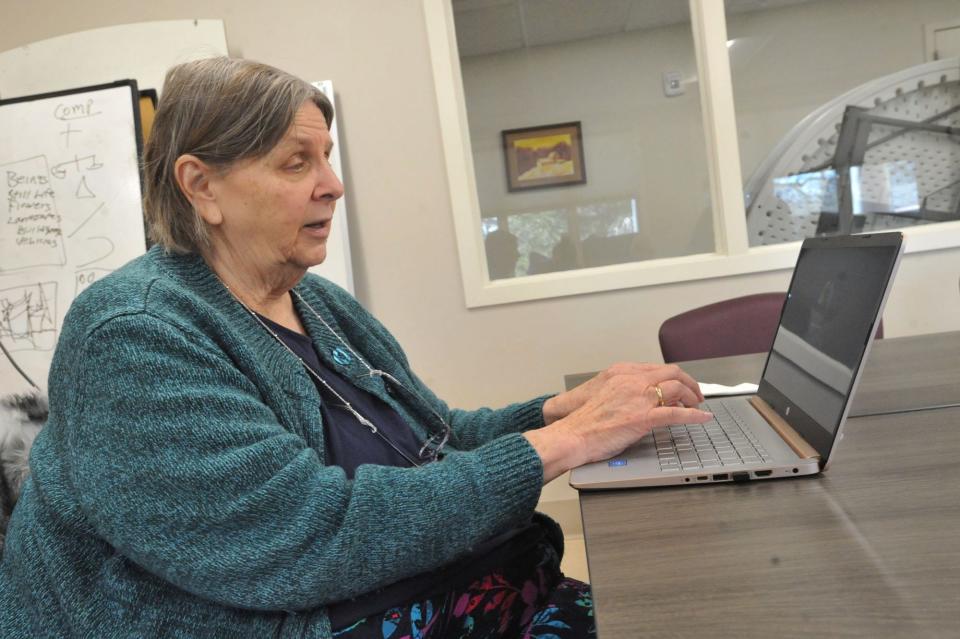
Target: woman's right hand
(619, 412)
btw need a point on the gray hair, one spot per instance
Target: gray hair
(222, 110)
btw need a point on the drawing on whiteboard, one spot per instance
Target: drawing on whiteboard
(77, 110)
(67, 132)
(27, 317)
(30, 233)
(87, 219)
(83, 191)
(108, 253)
(86, 277)
(59, 171)
(69, 213)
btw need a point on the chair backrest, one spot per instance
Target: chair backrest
(21, 418)
(732, 327)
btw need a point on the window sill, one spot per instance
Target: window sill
(677, 269)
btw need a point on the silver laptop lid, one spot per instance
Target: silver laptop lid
(836, 296)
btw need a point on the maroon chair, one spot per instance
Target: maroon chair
(732, 327)
(736, 326)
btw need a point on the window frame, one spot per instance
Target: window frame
(733, 254)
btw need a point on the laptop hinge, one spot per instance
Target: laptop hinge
(786, 432)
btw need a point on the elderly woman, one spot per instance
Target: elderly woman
(236, 448)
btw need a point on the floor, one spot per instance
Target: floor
(574, 562)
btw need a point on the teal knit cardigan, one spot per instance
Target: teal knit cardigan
(179, 487)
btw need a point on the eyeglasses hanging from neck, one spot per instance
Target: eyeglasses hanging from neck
(432, 447)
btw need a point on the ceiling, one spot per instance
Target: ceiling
(493, 26)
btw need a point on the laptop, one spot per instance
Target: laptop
(792, 425)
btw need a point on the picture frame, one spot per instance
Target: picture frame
(544, 156)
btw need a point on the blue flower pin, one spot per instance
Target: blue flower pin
(341, 356)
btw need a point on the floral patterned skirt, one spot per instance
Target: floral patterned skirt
(527, 599)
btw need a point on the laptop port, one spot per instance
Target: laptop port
(742, 476)
(703, 478)
(763, 473)
(721, 477)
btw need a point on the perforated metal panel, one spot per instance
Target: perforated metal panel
(901, 168)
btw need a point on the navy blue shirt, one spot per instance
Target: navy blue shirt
(347, 442)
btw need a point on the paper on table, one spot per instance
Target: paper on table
(717, 390)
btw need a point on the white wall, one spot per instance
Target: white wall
(401, 229)
(637, 143)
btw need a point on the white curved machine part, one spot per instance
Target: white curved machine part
(883, 155)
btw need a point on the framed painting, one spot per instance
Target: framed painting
(544, 156)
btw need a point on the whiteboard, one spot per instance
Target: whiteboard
(144, 51)
(70, 213)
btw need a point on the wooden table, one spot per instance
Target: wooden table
(871, 548)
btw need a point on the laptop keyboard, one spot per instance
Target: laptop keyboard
(724, 441)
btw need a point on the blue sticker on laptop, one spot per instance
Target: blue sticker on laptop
(617, 462)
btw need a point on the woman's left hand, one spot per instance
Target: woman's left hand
(559, 406)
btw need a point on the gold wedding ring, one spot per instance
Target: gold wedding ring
(659, 391)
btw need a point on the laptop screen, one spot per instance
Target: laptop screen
(838, 287)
